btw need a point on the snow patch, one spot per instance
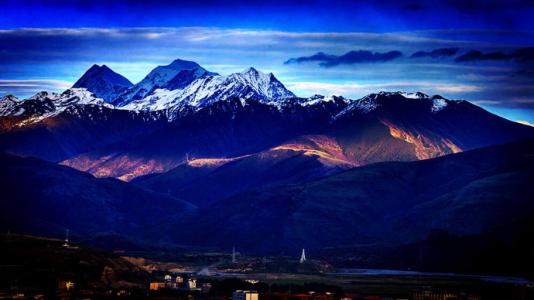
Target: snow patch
(438, 104)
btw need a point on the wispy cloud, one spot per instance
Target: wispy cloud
(520, 54)
(29, 87)
(349, 58)
(54, 84)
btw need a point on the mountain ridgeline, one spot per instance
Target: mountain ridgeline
(103, 82)
(240, 154)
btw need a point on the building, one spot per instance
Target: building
(245, 295)
(191, 283)
(154, 286)
(178, 284)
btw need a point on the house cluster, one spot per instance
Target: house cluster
(245, 295)
(179, 282)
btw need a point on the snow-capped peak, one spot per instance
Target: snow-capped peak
(10, 98)
(317, 99)
(159, 78)
(44, 104)
(250, 84)
(407, 95)
(43, 95)
(78, 96)
(103, 82)
(372, 102)
(7, 104)
(417, 95)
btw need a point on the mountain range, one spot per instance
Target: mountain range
(240, 153)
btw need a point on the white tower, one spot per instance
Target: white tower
(303, 256)
(233, 255)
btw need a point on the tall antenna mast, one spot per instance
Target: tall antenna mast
(233, 255)
(303, 256)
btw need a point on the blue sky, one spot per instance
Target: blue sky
(47, 46)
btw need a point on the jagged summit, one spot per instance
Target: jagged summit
(46, 104)
(7, 104)
(408, 95)
(396, 100)
(207, 89)
(9, 97)
(103, 82)
(171, 75)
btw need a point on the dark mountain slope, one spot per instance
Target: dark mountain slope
(379, 127)
(203, 181)
(389, 126)
(225, 129)
(43, 198)
(78, 129)
(395, 202)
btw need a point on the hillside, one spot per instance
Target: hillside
(43, 198)
(35, 265)
(478, 191)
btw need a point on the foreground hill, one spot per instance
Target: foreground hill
(202, 181)
(44, 198)
(33, 265)
(475, 192)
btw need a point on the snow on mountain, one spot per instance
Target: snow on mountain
(78, 96)
(103, 82)
(250, 84)
(373, 101)
(7, 104)
(438, 103)
(362, 105)
(44, 95)
(44, 104)
(417, 95)
(318, 99)
(160, 77)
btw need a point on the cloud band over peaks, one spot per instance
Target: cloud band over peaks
(352, 57)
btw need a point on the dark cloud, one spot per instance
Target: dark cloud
(352, 57)
(476, 55)
(520, 54)
(436, 53)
